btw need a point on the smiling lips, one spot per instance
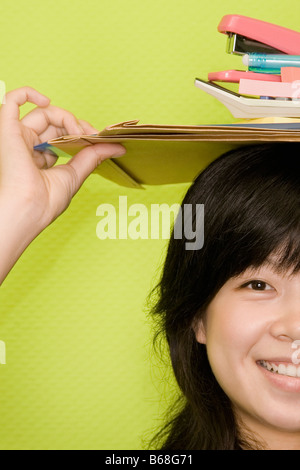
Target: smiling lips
(288, 369)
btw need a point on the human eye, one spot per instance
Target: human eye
(257, 285)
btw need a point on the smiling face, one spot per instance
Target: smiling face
(251, 330)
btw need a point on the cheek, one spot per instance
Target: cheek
(232, 330)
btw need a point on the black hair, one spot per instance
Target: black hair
(251, 202)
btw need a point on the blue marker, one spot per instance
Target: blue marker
(270, 62)
(45, 147)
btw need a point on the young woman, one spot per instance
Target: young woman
(230, 311)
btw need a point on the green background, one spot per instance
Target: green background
(81, 372)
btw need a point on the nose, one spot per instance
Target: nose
(286, 325)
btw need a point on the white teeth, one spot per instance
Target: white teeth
(290, 370)
(282, 370)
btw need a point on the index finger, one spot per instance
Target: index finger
(40, 119)
(14, 99)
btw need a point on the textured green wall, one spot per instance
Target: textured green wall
(80, 370)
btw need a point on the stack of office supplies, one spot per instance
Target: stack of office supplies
(271, 84)
(168, 154)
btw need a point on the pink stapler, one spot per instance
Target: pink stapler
(250, 35)
(247, 35)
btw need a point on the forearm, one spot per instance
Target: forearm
(17, 231)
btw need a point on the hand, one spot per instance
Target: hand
(33, 192)
(27, 176)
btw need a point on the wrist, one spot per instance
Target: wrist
(18, 230)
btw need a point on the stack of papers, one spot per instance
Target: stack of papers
(168, 154)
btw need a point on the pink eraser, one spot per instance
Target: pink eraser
(290, 74)
(273, 89)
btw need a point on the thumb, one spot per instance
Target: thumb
(87, 160)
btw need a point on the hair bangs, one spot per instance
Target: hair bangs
(286, 257)
(252, 214)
